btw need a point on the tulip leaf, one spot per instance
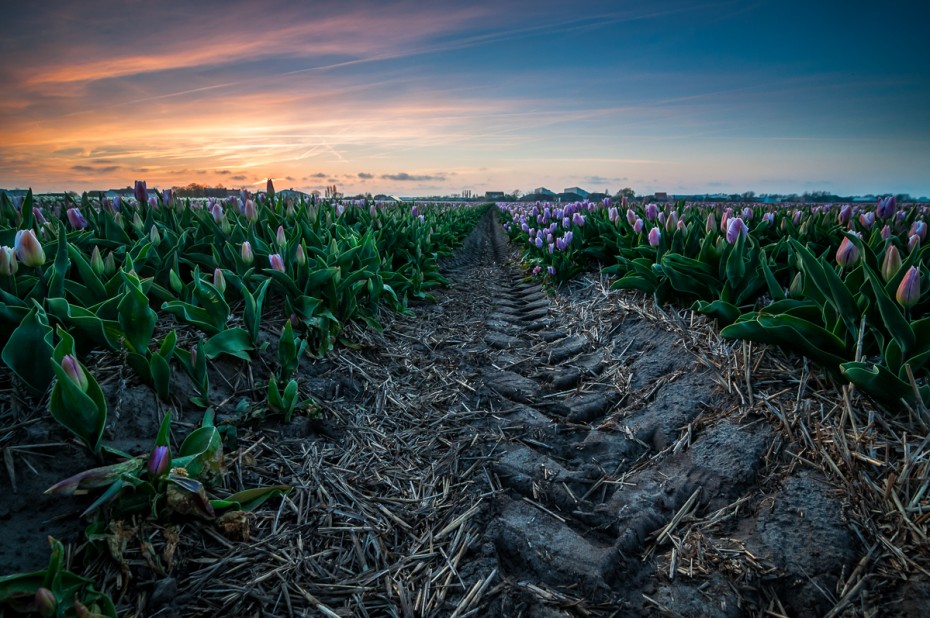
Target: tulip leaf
(91, 281)
(725, 313)
(250, 499)
(160, 371)
(791, 333)
(892, 318)
(29, 348)
(135, 316)
(883, 385)
(233, 341)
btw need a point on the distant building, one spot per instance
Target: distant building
(576, 191)
(570, 196)
(661, 196)
(542, 191)
(493, 195)
(297, 195)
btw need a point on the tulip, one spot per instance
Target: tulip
(797, 217)
(28, 248)
(76, 219)
(155, 236)
(96, 261)
(301, 256)
(652, 211)
(37, 214)
(655, 236)
(637, 226)
(219, 280)
(95, 477)
(913, 242)
(769, 217)
(886, 232)
(566, 223)
(568, 238)
(537, 270)
(109, 265)
(276, 262)
(796, 289)
(421, 218)
(920, 229)
(372, 211)
(909, 290)
(867, 219)
(578, 219)
(269, 187)
(711, 223)
(551, 270)
(153, 203)
(141, 192)
(551, 248)
(159, 461)
(735, 228)
(539, 242)
(74, 371)
(247, 256)
(630, 216)
(46, 602)
(341, 209)
(166, 196)
(847, 254)
(886, 207)
(280, 238)
(219, 217)
(414, 211)
(613, 214)
(8, 262)
(845, 214)
(891, 263)
(175, 282)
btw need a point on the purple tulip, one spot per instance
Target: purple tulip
(637, 226)
(247, 256)
(276, 262)
(141, 192)
(76, 219)
(28, 248)
(249, 210)
(920, 229)
(551, 270)
(886, 207)
(886, 232)
(913, 243)
(537, 269)
(414, 211)
(847, 254)
(613, 215)
(280, 238)
(652, 211)
(73, 370)
(551, 248)
(867, 219)
(37, 214)
(891, 263)
(159, 462)
(797, 217)
(340, 209)
(372, 211)
(578, 219)
(769, 217)
(219, 217)
(711, 224)
(630, 216)
(845, 214)
(166, 196)
(153, 203)
(566, 223)
(909, 290)
(46, 602)
(539, 242)
(568, 238)
(735, 228)
(655, 236)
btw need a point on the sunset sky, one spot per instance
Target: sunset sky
(421, 98)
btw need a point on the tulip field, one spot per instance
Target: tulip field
(848, 287)
(264, 406)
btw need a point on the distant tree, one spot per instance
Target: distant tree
(748, 196)
(626, 192)
(516, 193)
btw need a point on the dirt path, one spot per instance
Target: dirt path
(506, 453)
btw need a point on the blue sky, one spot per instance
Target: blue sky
(432, 98)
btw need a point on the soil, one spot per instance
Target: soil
(505, 451)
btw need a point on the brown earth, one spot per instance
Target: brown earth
(508, 451)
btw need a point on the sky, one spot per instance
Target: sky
(433, 98)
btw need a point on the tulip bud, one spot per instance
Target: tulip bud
(655, 236)
(886, 207)
(909, 290)
(637, 226)
(372, 211)
(28, 248)
(250, 211)
(796, 289)
(891, 263)
(847, 254)
(159, 461)
(867, 219)
(76, 219)
(247, 256)
(886, 232)
(154, 236)
(219, 281)
(613, 215)
(137, 223)
(920, 229)
(141, 192)
(276, 262)
(735, 228)
(711, 223)
(8, 262)
(109, 265)
(845, 213)
(39, 217)
(46, 602)
(280, 238)
(652, 211)
(630, 216)
(74, 371)
(175, 281)
(96, 262)
(913, 243)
